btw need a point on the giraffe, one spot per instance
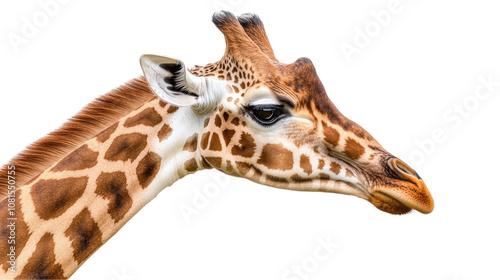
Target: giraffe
(247, 115)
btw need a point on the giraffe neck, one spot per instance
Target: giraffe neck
(72, 208)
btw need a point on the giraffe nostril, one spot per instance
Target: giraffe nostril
(402, 170)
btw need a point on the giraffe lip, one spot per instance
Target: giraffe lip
(413, 195)
(388, 204)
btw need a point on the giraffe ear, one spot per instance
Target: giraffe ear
(170, 81)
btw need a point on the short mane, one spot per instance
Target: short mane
(92, 119)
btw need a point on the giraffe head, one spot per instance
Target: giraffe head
(274, 124)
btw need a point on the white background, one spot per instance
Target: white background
(426, 61)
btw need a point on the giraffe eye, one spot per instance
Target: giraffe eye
(267, 114)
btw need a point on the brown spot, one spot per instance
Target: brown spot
(228, 134)
(276, 156)
(214, 161)
(172, 109)
(236, 121)
(204, 140)
(205, 123)
(104, 135)
(299, 142)
(21, 231)
(42, 263)
(242, 85)
(305, 164)
(335, 167)
(220, 77)
(243, 167)
(226, 116)
(353, 149)
(237, 90)
(229, 89)
(236, 101)
(81, 158)
(221, 107)
(85, 236)
(321, 164)
(228, 76)
(164, 132)
(147, 168)
(113, 187)
(332, 136)
(246, 146)
(191, 165)
(191, 143)
(147, 117)
(348, 173)
(126, 146)
(324, 176)
(53, 197)
(215, 144)
(162, 103)
(229, 99)
(217, 121)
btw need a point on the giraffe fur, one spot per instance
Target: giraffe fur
(247, 115)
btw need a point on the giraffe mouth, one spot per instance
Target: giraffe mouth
(382, 198)
(397, 192)
(403, 191)
(388, 204)
(403, 196)
(382, 201)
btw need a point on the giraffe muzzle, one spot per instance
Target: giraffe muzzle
(408, 188)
